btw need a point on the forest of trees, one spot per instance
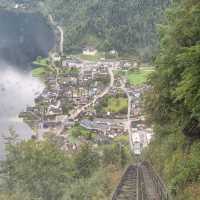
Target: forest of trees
(40, 170)
(173, 103)
(127, 26)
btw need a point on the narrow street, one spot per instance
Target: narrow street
(128, 123)
(77, 112)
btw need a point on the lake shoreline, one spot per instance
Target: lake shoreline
(24, 37)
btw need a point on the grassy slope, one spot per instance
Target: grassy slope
(39, 71)
(139, 77)
(116, 105)
(136, 77)
(43, 62)
(96, 57)
(41, 67)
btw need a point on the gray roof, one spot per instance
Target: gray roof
(92, 125)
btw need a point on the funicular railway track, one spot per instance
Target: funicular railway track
(127, 188)
(139, 182)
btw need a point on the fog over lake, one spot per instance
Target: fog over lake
(23, 37)
(17, 90)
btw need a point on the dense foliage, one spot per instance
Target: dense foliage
(173, 102)
(127, 26)
(39, 170)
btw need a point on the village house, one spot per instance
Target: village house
(92, 92)
(102, 69)
(102, 139)
(68, 81)
(67, 94)
(100, 75)
(55, 57)
(72, 63)
(32, 109)
(110, 130)
(51, 124)
(54, 111)
(20, 6)
(42, 99)
(113, 52)
(89, 51)
(125, 65)
(87, 74)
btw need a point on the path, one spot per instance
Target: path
(61, 45)
(61, 39)
(127, 189)
(128, 124)
(78, 111)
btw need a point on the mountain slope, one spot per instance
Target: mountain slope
(173, 103)
(127, 26)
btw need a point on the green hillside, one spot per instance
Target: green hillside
(127, 26)
(173, 104)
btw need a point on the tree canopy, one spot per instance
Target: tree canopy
(40, 170)
(175, 84)
(173, 101)
(127, 26)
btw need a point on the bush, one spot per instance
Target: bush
(86, 162)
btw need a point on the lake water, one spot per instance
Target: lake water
(23, 37)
